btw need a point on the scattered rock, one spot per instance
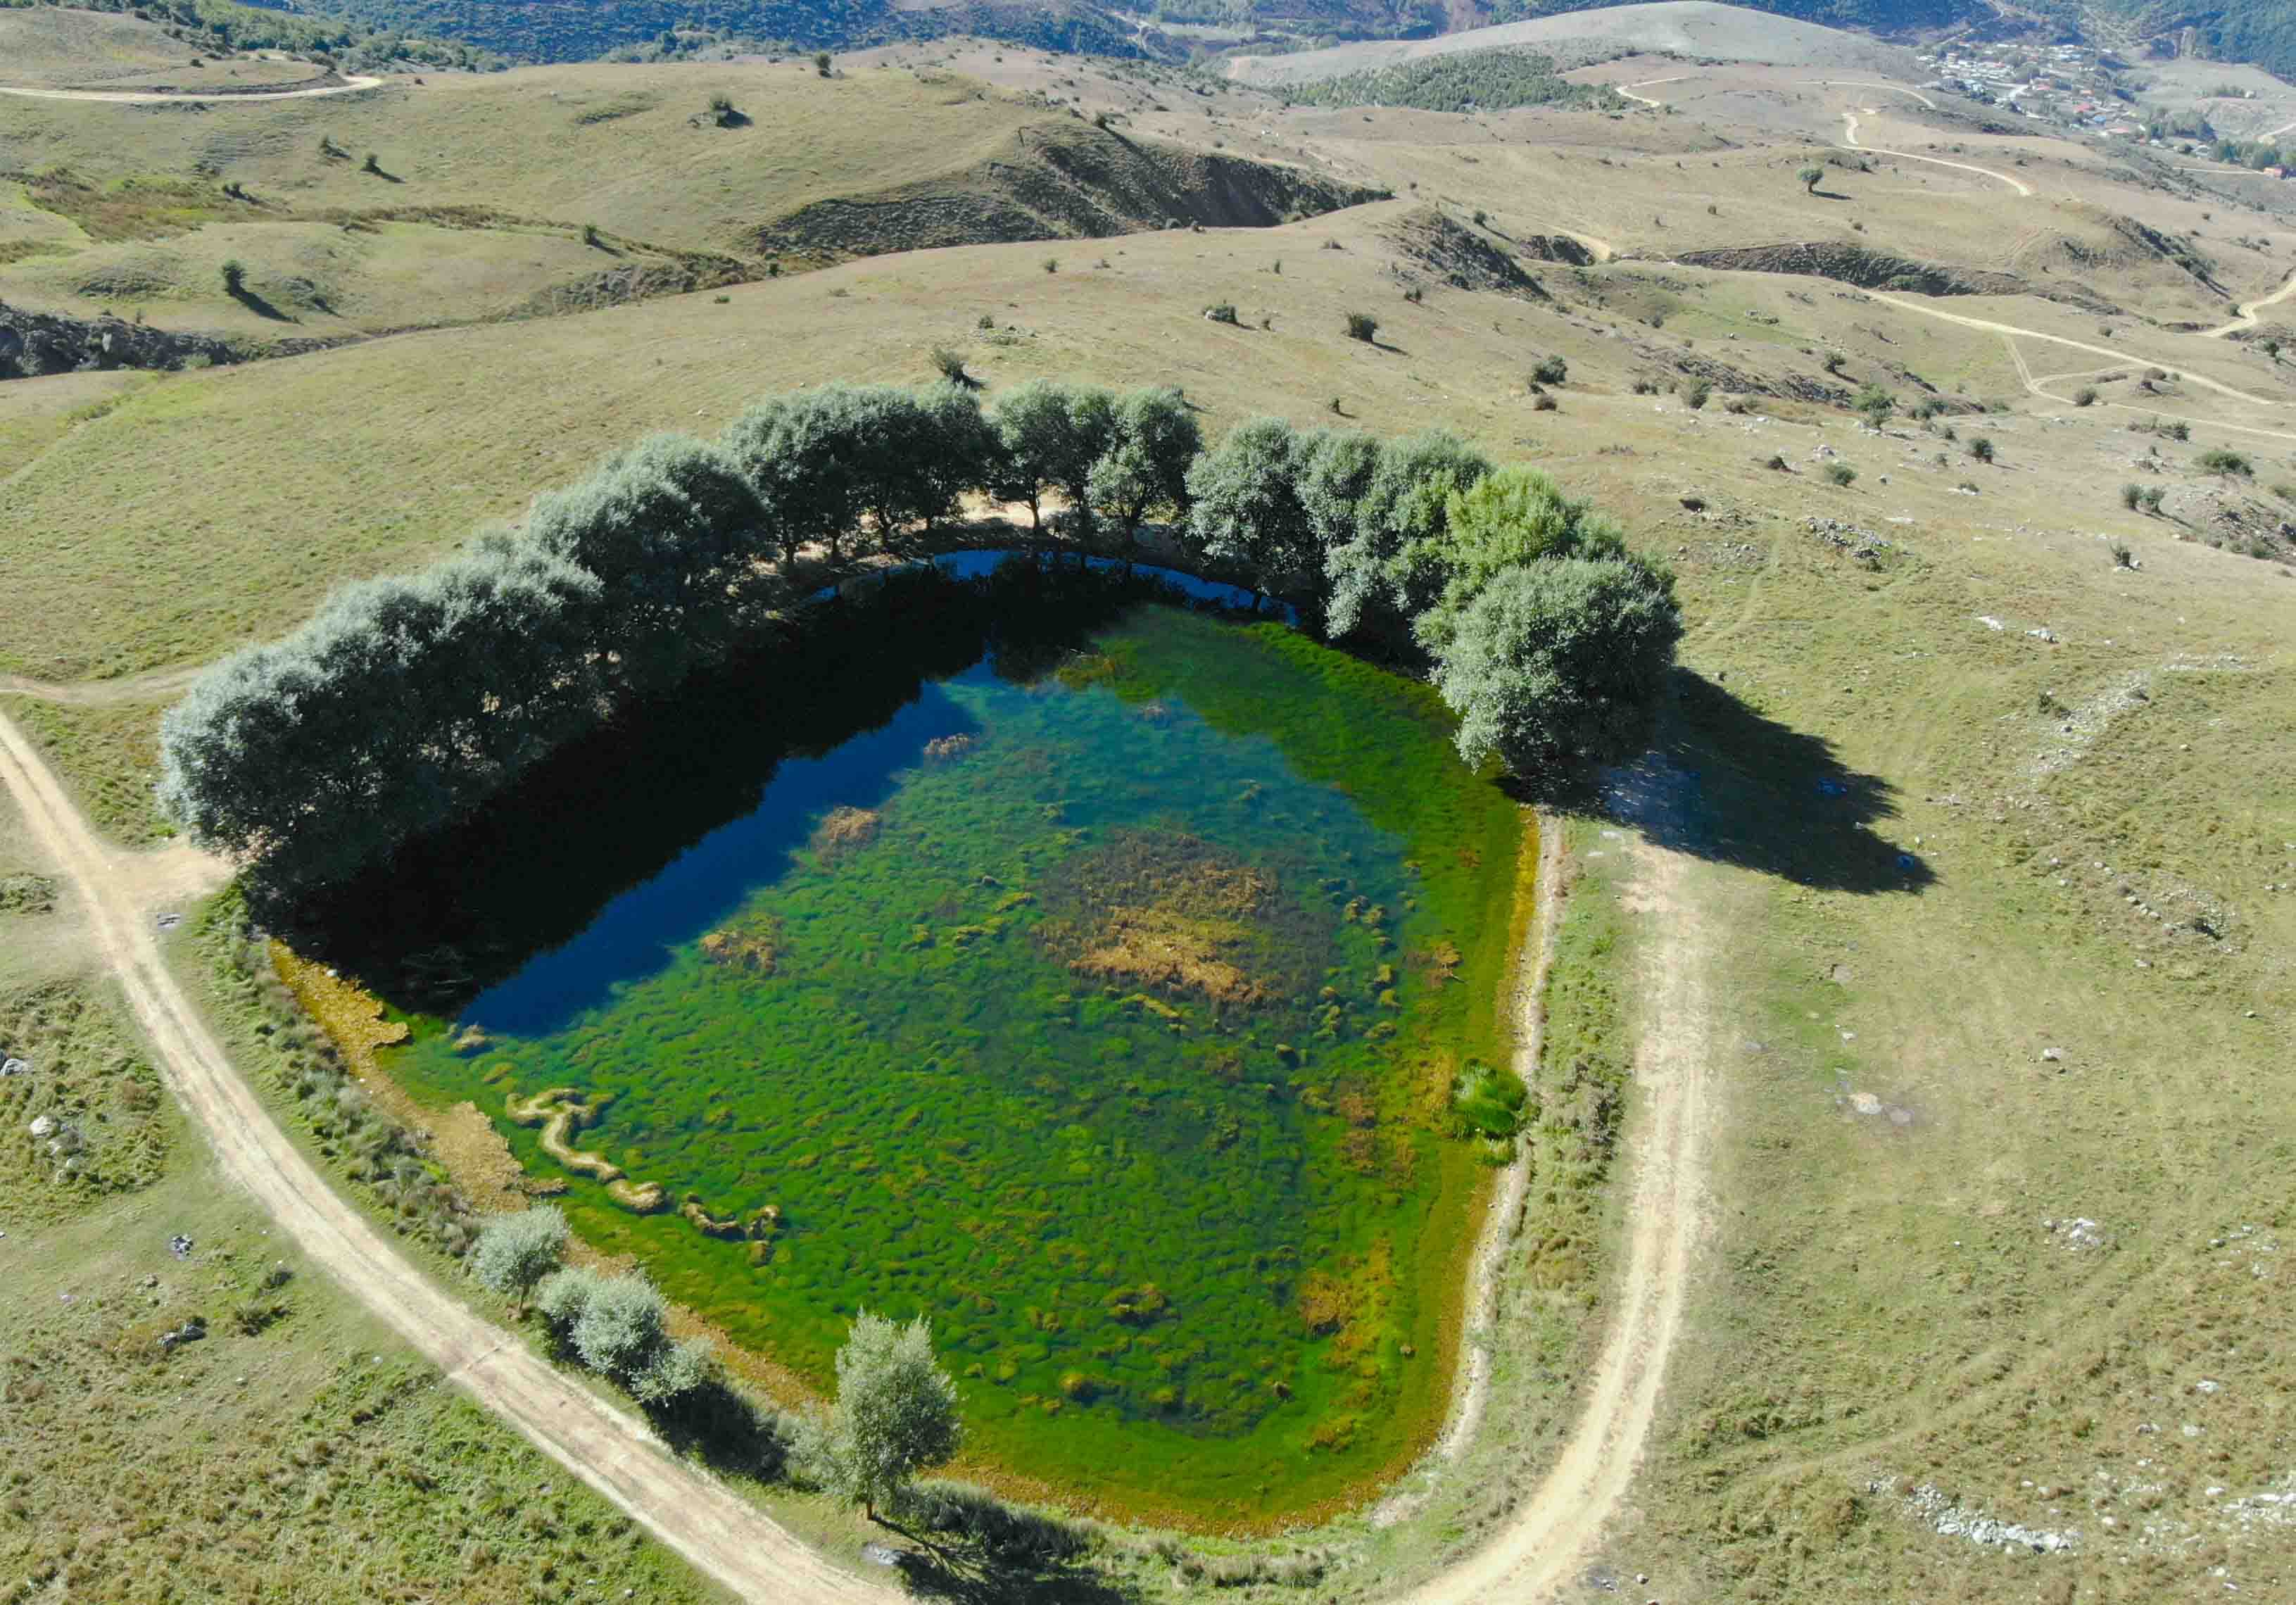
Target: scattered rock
(15, 1067)
(180, 1246)
(2052, 1055)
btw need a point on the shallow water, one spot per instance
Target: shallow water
(1100, 1000)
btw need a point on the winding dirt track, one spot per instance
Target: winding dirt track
(1549, 1537)
(721, 1534)
(1850, 141)
(145, 97)
(2245, 315)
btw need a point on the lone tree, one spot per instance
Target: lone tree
(1876, 404)
(234, 277)
(514, 1252)
(896, 1412)
(1363, 326)
(1810, 176)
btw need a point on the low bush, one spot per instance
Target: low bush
(1839, 473)
(1363, 326)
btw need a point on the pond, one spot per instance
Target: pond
(1089, 973)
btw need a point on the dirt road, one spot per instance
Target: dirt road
(2246, 314)
(145, 97)
(1549, 1537)
(1850, 141)
(720, 1534)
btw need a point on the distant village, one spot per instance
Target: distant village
(2071, 85)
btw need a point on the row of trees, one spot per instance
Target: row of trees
(408, 700)
(1544, 634)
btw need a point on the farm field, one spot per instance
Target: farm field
(1940, 938)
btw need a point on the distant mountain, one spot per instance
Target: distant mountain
(2261, 31)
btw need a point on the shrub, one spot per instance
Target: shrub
(2222, 460)
(1052, 265)
(1222, 312)
(2152, 497)
(1414, 295)
(1550, 369)
(1875, 405)
(591, 237)
(2122, 557)
(373, 163)
(1695, 394)
(1810, 177)
(1777, 462)
(821, 63)
(2131, 496)
(2285, 491)
(234, 276)
(1481, 217)
(1363, 326)
(1981, 448)
(516, 1251)
(949, 362)
(2085, 397)
(620, 1327)
(1841, 473)
(1835, 361)
(1543, 403)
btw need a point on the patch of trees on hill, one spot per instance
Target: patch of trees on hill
(1490, 80)
(407, 702)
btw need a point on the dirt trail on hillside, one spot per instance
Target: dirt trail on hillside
(145, 97)
(104, 693)
(1990, 327)
(1850, 141)
(2245, 315)
(1550, 1536)
(721, 1534)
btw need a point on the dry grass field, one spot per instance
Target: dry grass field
(1985, 782)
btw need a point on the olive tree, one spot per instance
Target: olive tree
(514, 1252)
(1395, 563)
(1246, 511)
(823, 460)
(670, 527)
(1048, 436)
(1153, 442)
(403, 703)
(1511, 517)
(1561, 661)
(896, 1413)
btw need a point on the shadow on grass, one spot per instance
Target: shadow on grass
(1726, 783)
(970, 1574)
(726, 1430)
(258, 306)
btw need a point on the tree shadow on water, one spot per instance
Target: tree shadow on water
(1727, 783)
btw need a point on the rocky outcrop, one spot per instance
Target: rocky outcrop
(1060, 182)
(1870, 269)
(1456, 255)
(33, 343)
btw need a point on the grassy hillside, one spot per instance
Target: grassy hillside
(465, 197)
(1983, 776)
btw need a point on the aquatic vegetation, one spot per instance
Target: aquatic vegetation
(1123, 1047)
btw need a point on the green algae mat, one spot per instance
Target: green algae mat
(1105, 994)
